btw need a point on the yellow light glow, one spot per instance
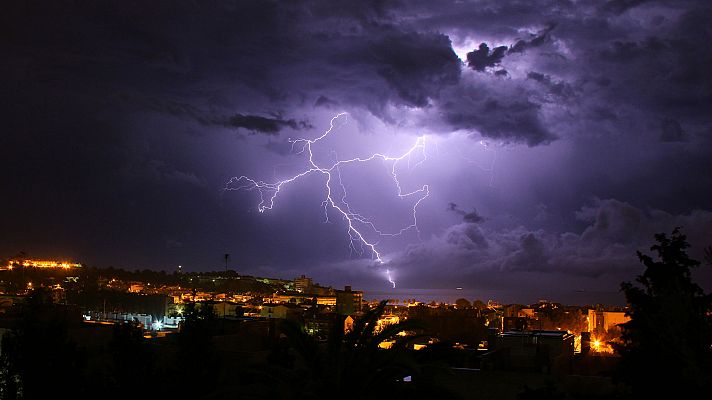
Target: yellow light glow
(386, 344)
(44, 264)
(601, 346)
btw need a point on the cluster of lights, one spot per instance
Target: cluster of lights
(42, 264)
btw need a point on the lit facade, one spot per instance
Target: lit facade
(348, 302)
(603, 321)
(303, 284)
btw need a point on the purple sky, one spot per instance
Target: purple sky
(559, 136)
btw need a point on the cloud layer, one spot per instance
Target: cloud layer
(133, 115)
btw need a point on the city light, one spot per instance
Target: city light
(602, 347)
(40, 264)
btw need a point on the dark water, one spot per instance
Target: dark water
(568, 297)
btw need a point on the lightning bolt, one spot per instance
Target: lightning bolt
(491, 169)
(486, 145)
(390, 279)
(355, 223)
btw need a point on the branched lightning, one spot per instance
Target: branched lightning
(486, 145)
(491, 169)
(355, 222)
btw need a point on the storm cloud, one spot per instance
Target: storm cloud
(578, 129)
(483, 57)
(613, 231)
(269, 126)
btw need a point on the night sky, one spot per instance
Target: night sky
(559, 136)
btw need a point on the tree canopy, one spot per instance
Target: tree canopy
(666, 344)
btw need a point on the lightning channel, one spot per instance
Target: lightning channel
(356, 223)
(390, 278)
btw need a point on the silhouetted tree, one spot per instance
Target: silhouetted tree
(38, 358)
(10, 377)
(462, 304)
(197, 357)
(666, 344)
(479, 304)
(127, 347)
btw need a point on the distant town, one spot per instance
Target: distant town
(156, 301)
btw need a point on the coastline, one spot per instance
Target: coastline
(566, 297)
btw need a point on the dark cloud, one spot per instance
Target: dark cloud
(252, 123)
(323, 101)
(453, 207)
(466, 236)
(483, 57)
(471, 217)
(416, 65)
(500, 118)
(555, 88)
(622, 51)
(606, 246)
(621, 6)
(536, 40)
(268, 126)
(532, 255)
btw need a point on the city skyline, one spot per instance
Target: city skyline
(554, 139)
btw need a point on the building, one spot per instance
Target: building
(603, 321)
(145, 320)
(348, 302)
(386, 320)
(514, 324)
(172, 322)
(303, 284)
(228, 309)
(136, 287)
(302, 299)
(535, 350)
(281, 311)
(321, 325)
(527, 313)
